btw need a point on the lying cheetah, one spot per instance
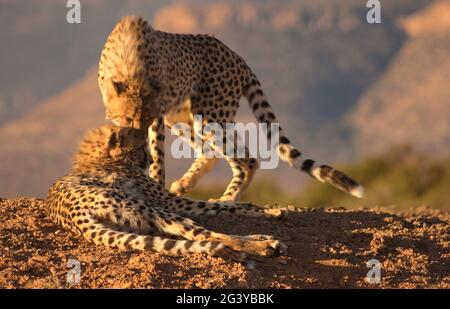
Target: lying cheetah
(148, 74)
(109, 199)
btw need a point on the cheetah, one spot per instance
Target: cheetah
(166, 78)
(109, 199)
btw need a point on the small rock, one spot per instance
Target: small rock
(39, 259)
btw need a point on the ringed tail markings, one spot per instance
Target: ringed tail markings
(264, 114)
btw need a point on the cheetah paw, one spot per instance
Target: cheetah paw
(275, 247)
(260, 237)
(266, 248)
(229, 253)
(181, 186)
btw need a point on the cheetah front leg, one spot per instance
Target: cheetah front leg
(187, 182)
(156, 147)
(201, 165)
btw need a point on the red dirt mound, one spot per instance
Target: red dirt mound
(328, 248)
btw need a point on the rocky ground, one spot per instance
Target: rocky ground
(328, 248)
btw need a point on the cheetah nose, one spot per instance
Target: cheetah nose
(129, 121)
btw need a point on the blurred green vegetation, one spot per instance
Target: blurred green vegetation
(399, 179)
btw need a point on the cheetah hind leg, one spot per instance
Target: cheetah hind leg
(100, 234)
(243, 168)
(169, 223)
(257, 245)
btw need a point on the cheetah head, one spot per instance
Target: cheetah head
(132, 105)
(112, 144)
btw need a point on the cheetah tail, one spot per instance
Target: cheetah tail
(324, 173)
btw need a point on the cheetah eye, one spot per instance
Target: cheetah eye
(119, 87)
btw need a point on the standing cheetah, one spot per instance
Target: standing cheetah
(147, 74)
(110, 200)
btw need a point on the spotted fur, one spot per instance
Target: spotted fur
(109, 199)
(149, 75)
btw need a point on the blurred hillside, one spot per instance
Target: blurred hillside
(328, 63)
(410, 102)
(38, 146)
(397, 179)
